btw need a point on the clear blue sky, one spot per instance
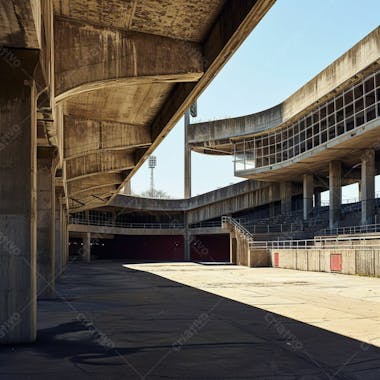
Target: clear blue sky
(295, 41)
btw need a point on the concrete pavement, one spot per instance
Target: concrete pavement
(112, 321)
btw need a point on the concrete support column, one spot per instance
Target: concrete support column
(335, 186)
(59, 254)
(233, 248)
(187, 238)
(87, 247)
(308, 189)
(368, 171)
(317, 198)
(45, 229)
(17, 200)
(65, 237)
(286, 197)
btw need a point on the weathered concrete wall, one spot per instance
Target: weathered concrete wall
(222, 130)
(358, 261)
(18, 200)
(259, 258)
(20, 24)
(241, 251)
(230, 199)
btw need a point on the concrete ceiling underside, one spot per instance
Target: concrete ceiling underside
(125, 72)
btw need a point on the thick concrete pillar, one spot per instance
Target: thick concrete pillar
(18, 199)
(286, 197)
(335, 186)
(87, 247)
(187, 246)
(65, 240)
(317, 198)
(64, 236)
(45, 229)
(233, 248)
(59, 254)
(187, 238)
(367, 189)
(308, 189)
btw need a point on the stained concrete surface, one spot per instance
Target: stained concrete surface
(123, 322)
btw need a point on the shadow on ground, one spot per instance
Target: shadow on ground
(110, 322)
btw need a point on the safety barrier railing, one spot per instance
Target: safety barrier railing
(321, 242)
(239, 228)
(369, 228)
(118, 224)
(274, 228)
(214, 223)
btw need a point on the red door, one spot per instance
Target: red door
(336, 262)
(276, 259)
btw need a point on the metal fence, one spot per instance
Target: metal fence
(321, 243)
(119, 224)
(369, 228)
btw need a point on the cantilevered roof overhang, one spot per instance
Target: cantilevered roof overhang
(218, 137)
(126, 71)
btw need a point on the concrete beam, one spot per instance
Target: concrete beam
(83, 136)
(90, 57)
(95, 182)
(236, 21)
(95, 163)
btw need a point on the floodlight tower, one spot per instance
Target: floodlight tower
(152, 165)
(192, 112)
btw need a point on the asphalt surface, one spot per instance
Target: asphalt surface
(113, 322)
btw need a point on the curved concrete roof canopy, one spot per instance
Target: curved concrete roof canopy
(215, 137)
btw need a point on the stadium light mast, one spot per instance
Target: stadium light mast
(192, 112)
(152, 165)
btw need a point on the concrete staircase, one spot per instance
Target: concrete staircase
(243, 249)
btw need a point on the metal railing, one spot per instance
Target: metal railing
(119, 224)
(213, 223)
(321, 242)
(239, 228)
(350, 230)
(274, 228)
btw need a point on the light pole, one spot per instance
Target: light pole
(193, 113)
(152, 165)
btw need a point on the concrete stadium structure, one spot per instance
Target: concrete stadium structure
(321, 138)
(90, 89)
